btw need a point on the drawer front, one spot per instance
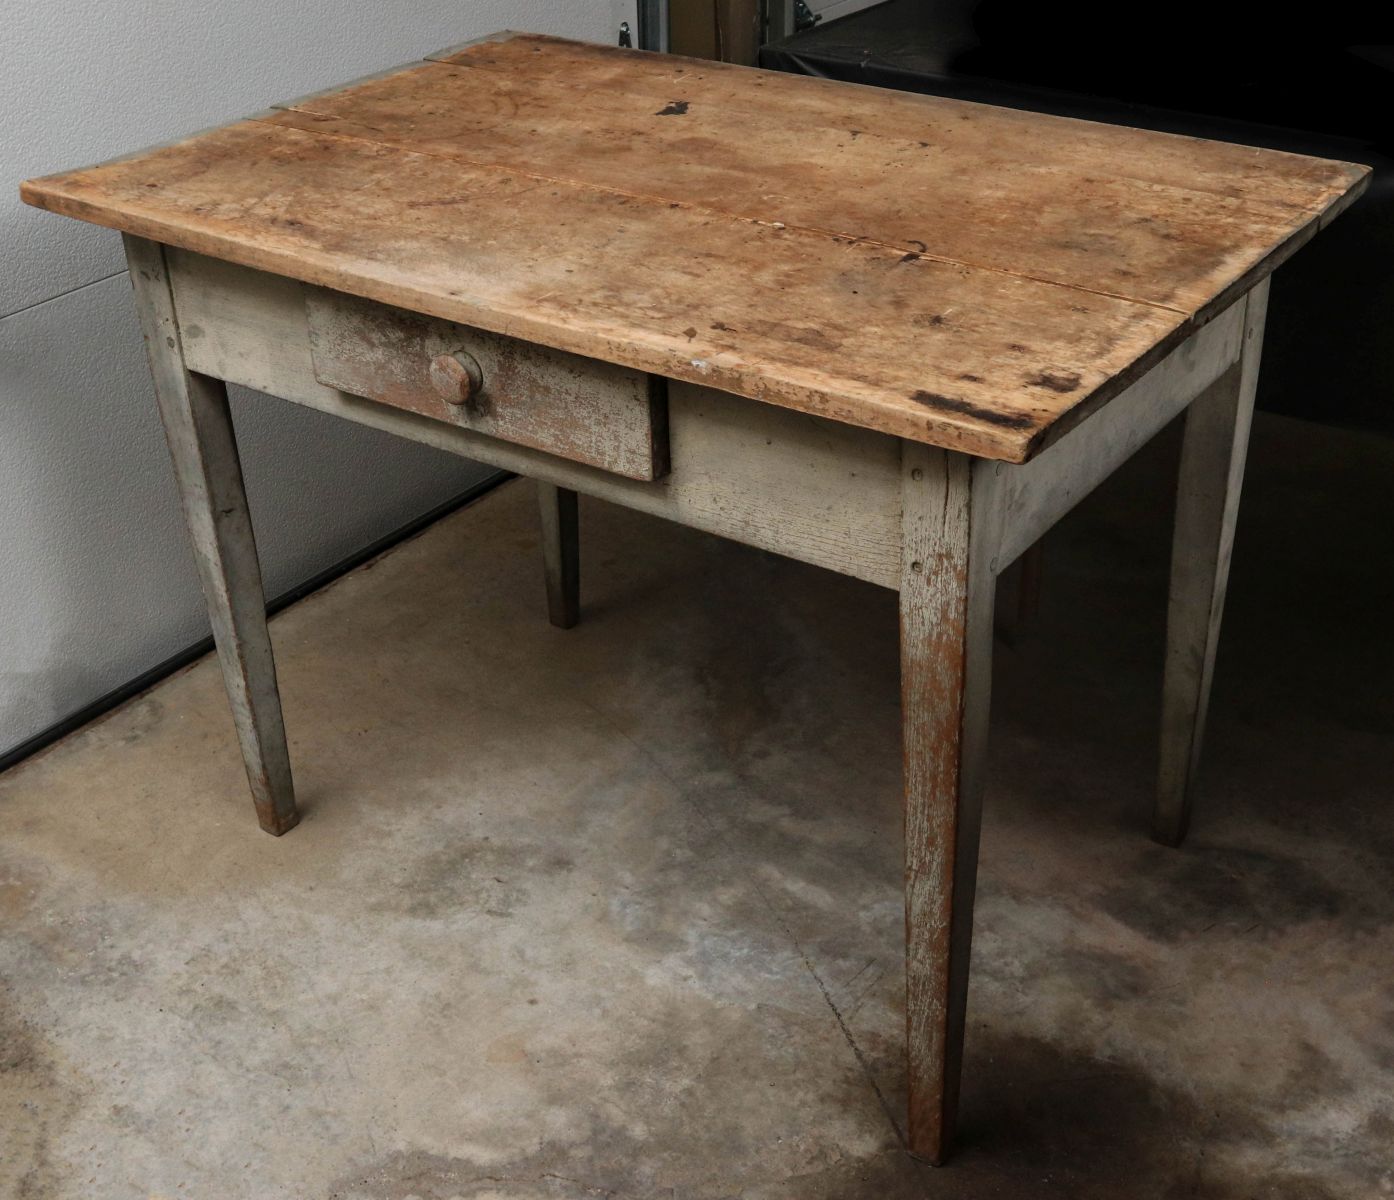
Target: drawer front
(577, 408)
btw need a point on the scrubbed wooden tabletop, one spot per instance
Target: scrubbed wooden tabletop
(964, 275)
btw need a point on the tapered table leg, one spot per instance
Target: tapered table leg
(198, 428)
(946, 602)
(561, 554)
(1214, 448)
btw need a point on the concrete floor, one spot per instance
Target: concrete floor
(615, 912)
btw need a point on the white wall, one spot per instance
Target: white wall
(831, 10)
(96, 581)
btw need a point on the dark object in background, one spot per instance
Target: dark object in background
(1326, 89)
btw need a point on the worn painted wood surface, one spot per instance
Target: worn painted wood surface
(1213, 453)
(955, 274)
(578, 408)
(1040, 492)
(951, 521)
(816, 490)
(198, 428)
(561, 553)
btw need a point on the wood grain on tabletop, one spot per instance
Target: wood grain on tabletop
(959, 274)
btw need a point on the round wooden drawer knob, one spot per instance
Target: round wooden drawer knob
(456, 377)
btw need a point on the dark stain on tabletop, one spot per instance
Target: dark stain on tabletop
(802, 335)
(674, 108)
(1055, 381)
(968, 409)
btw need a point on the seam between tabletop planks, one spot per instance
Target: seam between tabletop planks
(651, 198)
(1303, 217)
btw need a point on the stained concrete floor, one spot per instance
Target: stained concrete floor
(615, 912)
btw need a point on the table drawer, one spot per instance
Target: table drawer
(576, 408)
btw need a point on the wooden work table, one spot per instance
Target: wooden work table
(896, 336)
